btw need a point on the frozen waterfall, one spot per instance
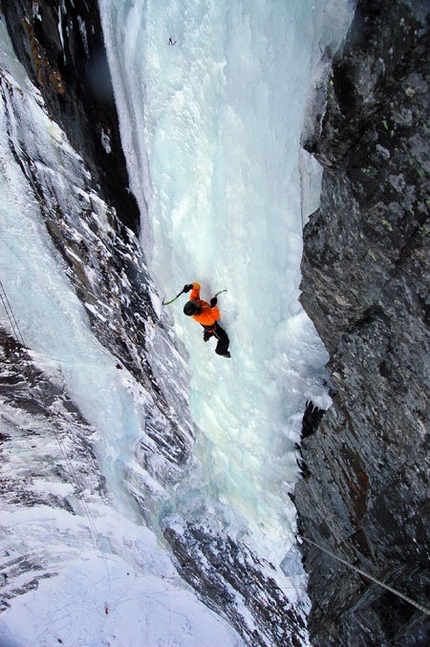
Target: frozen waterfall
(211, 98)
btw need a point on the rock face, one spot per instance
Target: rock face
(366, 280)
(230, 577)
(43, 438)
(61, 46)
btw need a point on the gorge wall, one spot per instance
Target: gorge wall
(61, 46)
(366, 277)
(364, 491)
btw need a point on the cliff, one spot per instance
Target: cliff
(366, 278)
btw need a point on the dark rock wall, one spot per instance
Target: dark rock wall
(69, 66)
(366, 280)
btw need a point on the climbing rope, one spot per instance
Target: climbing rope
(68, 462)
(417, 605)
(10, 314)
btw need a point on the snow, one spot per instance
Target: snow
(99, 599)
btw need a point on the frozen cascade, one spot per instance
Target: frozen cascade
(127, 592)
(211, 129)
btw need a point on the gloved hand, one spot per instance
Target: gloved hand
(213, 302)
(206, 335)
(187, 288)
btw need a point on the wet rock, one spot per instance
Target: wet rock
(311, 419)
(366, 280)
(233, 581)
(60, 44)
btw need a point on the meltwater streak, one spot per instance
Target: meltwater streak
(211, 130)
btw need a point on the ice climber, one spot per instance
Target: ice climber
(207, 314)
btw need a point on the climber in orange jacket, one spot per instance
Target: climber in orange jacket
(206, 315)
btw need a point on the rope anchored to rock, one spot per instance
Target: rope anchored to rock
(417, 605)
(11, 316)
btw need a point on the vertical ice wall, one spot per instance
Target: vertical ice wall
(75, 565)
(211, 98)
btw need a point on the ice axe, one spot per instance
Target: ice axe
(166, 303)
(218, 293)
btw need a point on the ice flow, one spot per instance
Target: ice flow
(211, 98)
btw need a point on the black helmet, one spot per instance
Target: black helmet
(191, 308)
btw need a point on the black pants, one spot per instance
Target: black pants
(219, 333)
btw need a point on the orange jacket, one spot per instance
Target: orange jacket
(208, 316)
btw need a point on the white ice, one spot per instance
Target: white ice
(211, 128)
